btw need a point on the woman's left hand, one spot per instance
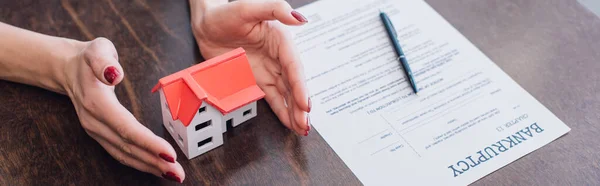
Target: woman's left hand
(221, 26)
(89, 79)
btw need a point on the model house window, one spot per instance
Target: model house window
(180, 139)
(203, 125)
(204, 142)
(171, 126)
(247, 112)
(202, 110)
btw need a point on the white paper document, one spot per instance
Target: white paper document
(468, 119)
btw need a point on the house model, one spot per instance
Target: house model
(198, 103)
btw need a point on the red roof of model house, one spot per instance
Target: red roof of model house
(226, 82)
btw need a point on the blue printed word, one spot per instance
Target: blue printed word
(495, 149)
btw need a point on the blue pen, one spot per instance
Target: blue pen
(391, 31)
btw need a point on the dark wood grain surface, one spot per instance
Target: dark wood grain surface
(550, 47)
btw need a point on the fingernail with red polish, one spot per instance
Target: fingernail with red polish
(308, 122)
(171, 176)
(299, 17)
(110, 74)
(307, 125)
(167, 157)
(309, 105)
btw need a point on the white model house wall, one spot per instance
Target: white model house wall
(210, 136)
(175, 128)
(240, 115)
(205, 131)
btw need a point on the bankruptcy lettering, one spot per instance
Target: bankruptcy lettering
(503, 145)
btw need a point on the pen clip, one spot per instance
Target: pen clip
(389, 20)
(393, 29)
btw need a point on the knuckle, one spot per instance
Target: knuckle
(96, 46)
(90, 56)
(122, 160)
(94, 58)
(125, 148)
(124, 133)
(144, 144)
(89, 133)
(103, 40)
(92, 133)
(89, 129)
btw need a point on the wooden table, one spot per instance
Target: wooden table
(550, 47)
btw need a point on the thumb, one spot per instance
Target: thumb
(102, 57)
(268, 10)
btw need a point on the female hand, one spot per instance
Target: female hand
(220, 26)
(89, 79)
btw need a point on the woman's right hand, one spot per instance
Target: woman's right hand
(258, 27)
(89, 78)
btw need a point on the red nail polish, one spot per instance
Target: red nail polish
(167, 157)
(171, 176)
(307, 125)
(309, 105)
(110, 74)
(299, 17)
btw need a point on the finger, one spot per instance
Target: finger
(129, 161)
(102, 131)
(107, 109)
(301, 120)
(253, 11)
(293, 111)
(124, 158)
(135, 133)
(299, 115)
(277, 103)
(295, 125)
(102, 57)
(293, 73)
